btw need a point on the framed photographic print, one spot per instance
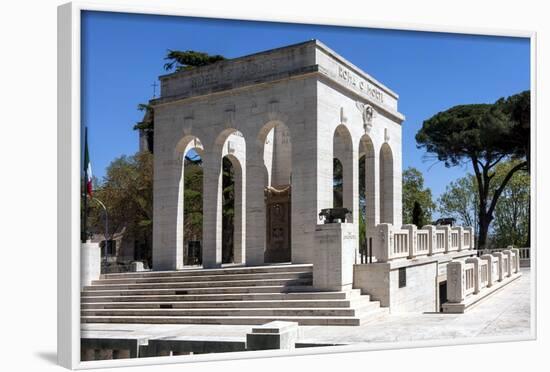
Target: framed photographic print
(239, 187)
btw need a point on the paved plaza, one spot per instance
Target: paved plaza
(505, 313)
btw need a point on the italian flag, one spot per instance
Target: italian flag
(87, 168)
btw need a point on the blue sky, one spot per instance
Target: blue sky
(122, 56)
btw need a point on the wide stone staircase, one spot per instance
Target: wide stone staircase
(234, 295)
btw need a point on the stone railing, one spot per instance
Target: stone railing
(454, 246)
(483, 274)
(467, 238)
(470, 282)
(472, 276)
(422, 243)
(524, 254)
(401, 243)
(412, 242)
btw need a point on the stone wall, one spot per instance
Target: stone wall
(420, 292)
(381, 282)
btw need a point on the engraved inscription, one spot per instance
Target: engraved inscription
(361, 84)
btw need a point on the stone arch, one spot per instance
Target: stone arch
(275, 141)
(236, 251)
(386, 184)
(272, 193)
(229, 143)
(342, 147)
(185, 145)
(337, 183)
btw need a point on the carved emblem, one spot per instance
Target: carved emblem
(368, 113)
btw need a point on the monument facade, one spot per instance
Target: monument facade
(281, 117)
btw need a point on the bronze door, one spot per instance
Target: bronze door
(278, 224)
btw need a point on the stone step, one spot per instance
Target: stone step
(183, 291)
(219, 271)
(229, 295)
(234, 320)
(207, 278)
(205, 284)
(305, 312)
(372, 314)
(230, 304)
(278, 296)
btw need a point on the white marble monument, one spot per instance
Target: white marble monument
(280, 116)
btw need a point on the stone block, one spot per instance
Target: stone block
(374, 280)
(137, 266)
(383, 242)
(273, 335)
(90, 263)
(334, 256)
(108, 348)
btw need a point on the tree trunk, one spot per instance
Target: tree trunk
(484, 223)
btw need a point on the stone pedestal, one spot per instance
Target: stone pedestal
(477, 274)
(455, 282)
(500, 265)
(509, 264)
(137, 266)
(273, 335)
(90, 263)
(518, 258)
(492, 274)
(334, 256)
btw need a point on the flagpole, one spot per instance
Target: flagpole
(84, 227)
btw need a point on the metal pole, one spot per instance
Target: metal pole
(370, 250)
(106, 223)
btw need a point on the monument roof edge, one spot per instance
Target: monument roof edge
(316, 42)
(231, 60)
(358, 70)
